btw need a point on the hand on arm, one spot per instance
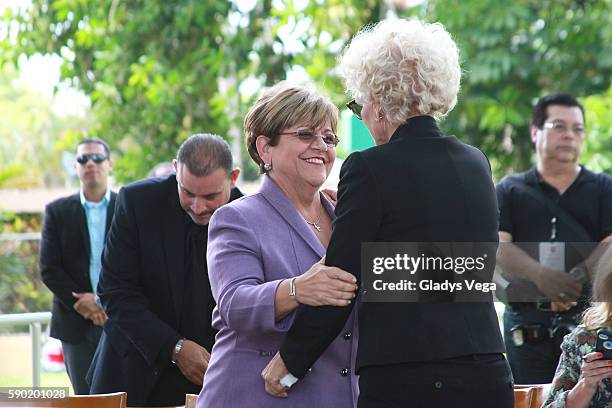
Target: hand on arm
(272, 374)
(332, 195)
(321, 285)
(193, 361)
(325, 285)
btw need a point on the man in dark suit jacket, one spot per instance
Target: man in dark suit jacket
(154, 284)
(70, 252)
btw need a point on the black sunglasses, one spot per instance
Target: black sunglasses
(95, 157)
(355, 108)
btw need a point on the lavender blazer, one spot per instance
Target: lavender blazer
(253, 244)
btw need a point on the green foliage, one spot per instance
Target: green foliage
(157, 71)
(30, 135)
(21, 289)
(150, 68)
(516, 53)
(598, 145)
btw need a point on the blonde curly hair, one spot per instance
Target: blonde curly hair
(410, 68)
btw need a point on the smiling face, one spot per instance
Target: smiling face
(297, 163)
(561, 136)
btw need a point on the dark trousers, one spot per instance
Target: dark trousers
(475, 381)
(171, 388)
(531, 363)
(78, 356)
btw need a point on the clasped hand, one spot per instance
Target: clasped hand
(87, 307)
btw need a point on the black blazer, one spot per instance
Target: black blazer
(141, 287)
(419, 187)
(64, 263)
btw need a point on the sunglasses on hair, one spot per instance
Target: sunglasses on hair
(355, 108)
(95, 157)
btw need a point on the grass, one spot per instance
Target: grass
(16, 364)
(25, 380)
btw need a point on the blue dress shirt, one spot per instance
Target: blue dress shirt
(96, 225)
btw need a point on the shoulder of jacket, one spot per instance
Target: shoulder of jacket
(63, 201)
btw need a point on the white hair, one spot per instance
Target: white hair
(410, 68)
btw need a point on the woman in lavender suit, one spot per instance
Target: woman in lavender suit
(264, 255)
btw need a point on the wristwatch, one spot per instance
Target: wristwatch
(177, 349)
(288, 380)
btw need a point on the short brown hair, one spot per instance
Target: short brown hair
(203, 153)
(282, 106)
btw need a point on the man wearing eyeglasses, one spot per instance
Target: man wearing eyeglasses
(73, 237)
(551, 218)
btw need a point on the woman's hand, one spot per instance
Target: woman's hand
(325, 285)
(332, 195)
(594, 370)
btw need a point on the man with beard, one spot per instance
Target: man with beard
(545, 212)
(71, 246)
(154, 283)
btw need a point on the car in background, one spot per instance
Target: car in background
(52, 356)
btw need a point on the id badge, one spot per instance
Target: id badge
(552, 255)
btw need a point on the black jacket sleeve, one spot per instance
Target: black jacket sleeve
(359, 212)
(52, 271)
(120, 287)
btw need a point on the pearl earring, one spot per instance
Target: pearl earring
(267, 167)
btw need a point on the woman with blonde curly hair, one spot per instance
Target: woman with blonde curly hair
(417, 185)
(583, 377)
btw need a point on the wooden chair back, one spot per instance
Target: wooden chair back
(190, 400)
(522, 397)
(530, 395)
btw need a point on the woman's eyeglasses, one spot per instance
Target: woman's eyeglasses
(308, 136)
(355, 108)
(95, 157)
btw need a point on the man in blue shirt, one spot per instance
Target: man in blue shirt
(73, 237)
